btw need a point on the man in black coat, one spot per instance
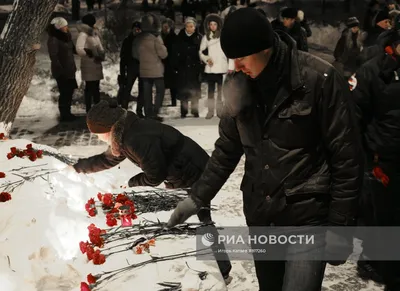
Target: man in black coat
(290, 113)
(375, 88)
(129, 71)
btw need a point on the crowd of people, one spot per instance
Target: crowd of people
(320, 140)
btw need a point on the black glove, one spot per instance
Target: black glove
(183, 211)
(89, 53)
(337, 246)
(136, 180)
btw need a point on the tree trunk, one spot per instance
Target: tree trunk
(19, 41)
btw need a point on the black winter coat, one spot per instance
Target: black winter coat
(61, 51)
(161, 151)
(377, 97)
(302, 149)
(186, 61)
(170, 75)
(297, 32)
(127, 62)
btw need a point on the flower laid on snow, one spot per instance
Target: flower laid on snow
(27, 152)
(2, 175)
(111, 220)
(92, 279)
(85, 286)
(98, 258)
(90, 207)
(95, 235)
(83, 246)
(5, 196)
(3, 136)
(139, 249)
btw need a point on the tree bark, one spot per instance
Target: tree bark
(19, 41)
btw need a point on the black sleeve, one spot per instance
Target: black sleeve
(339, 49)
(224, 159)
(98, 163)
(343, 144)
(307, 28)
(152, 161)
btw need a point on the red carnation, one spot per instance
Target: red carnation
(33, 157)
(381, 176)
(39, 154)
(20, 154)
(121, 198)
(95, 235)
(13, 150)
(108, 200)
(29, 146)
(89, 252)
(2, 175)
(5, 196)
(85, 286)
(2, 136)
(91, 279)
(92, 212)
(99, 196)
(98, 258)
(10, 156)
(111, 220)
(83, 246)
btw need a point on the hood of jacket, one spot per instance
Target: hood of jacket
(151, 23)
(91, 31)
(216, 18)
(170, 23)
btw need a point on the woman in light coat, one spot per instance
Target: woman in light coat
(90, 49)
(216, 62)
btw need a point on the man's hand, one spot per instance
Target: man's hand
(337, 246)
(183, 211)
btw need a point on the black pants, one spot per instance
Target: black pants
(66, 89)
(212, 80)
(149, 108)
(132, 76)
(92, 93)
(174, 94)
(380, 206)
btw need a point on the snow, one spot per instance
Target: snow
(5, 127)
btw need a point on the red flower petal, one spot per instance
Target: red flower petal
(5, 196)
(83, 246)
(91, 279)
(2, 175)
(29, 146)
(13, 150)
(85, 286)
(10, 156)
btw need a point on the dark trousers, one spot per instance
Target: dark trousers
(132, 76)
(290, 275)
(66, 89)
(212, 80)
(380, 206)
(92, 93)
(149, 108)
(174, 94)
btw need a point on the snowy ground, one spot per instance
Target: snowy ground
(51, 260)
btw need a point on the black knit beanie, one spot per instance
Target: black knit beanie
(102, 116)
(289, 13)
(381, 15)
(245, 32)
(352, 22)
(89, 19)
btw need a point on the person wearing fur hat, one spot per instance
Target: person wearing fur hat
(291, 115)
(215, 61)
(186, 62)
(170, 76)
(375, 90)
(61, 51)
(349, 47)
(149, 49)
(129, 71)
(381, 23)
(91, 51)
(294, 28)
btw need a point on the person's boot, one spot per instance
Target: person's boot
(367, 271)
(209, 115)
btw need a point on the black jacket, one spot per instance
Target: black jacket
(301, 144)
(127, 62)
(377, 97)
(161, 151)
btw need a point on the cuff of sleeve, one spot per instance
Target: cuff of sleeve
(337, 218)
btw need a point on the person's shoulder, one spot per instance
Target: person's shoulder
(314, 64)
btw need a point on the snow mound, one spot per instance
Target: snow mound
(43, 223)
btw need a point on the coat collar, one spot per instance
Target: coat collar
(118, 131)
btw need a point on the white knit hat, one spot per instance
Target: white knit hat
(59, 22)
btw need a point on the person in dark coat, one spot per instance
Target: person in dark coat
(129, 72)
(170, 75)
(186, 62)
(61, 51)
(374, 6)
(349, 47)
(294, 28)
(381, 23)
(291, 115)
(375, 90)
(161, 151)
